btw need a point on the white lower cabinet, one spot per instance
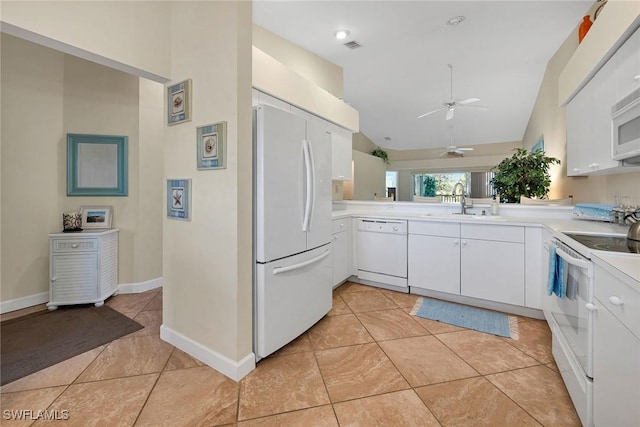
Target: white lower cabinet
(434, 257)
(341, 248)
(616, 356)
(83, 267)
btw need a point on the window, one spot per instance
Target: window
(474, 184)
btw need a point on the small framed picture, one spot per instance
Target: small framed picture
(179, 198)
(94, 217)
(179, 103)
(211, 149)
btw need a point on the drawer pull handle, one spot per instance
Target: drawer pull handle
(456, 242)
(589, 306)
(75, 245)
(53, 279)
(615, 300)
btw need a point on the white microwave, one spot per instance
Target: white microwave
(625, 119)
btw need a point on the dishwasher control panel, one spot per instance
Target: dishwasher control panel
(382, 226)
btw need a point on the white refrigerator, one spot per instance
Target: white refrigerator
(292, 218)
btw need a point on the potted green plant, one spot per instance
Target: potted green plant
(523, 174)
(379, 152)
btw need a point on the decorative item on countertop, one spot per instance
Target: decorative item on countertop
(584, 27)
(71, 221)
(495, 207)
(593, 211)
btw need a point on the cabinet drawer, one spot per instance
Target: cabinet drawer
(432, 228)
(621, 300)
(498, 233)
(338, 225)
(74, 245)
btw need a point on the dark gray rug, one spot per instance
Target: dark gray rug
(39, 340)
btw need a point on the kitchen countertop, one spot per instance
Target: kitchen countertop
(557, 221)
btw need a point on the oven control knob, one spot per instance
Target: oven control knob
(615, 300)
(589, 306)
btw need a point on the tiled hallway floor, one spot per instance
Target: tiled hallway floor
(368, 363)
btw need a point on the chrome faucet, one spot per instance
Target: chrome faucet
(463, 201)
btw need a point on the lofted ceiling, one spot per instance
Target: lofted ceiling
(499, 54)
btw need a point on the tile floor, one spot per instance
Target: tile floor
(368, 363)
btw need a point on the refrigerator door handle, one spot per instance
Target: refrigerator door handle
(309, 185)
(313, 185)
(280, 270)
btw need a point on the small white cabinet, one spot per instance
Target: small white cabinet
(434, 256)
(616, 358)
(341, 248)
(83, 267)
(341, 156)
(492, 262)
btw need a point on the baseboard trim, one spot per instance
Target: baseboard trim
(136, 288)
(230, 368)
(23, 302)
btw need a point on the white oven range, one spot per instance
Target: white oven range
(571, 322)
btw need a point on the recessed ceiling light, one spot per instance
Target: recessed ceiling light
(455, 20)
(341, 34)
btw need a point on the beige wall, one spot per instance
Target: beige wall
(208, 260)
(368, 176)
(47, 94)
(548, 120)
(101, 31)
(361, 143)
(318, 70)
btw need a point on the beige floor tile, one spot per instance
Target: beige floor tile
(62, 373)
(367, 301)
(321, 416)
(353, 287)
(552, 366)
(338, 331)
(282, 384)
(391, 324)
(181, 360)
(534, 339)
(401, 408)
(130, 304)
(425, 360)
(358, 371)
(19, 403)
(298, 345)
(151, 321)
(541, 392)
(434, 326)
(486, 353)
(473, 402)
(155, 303)
(339, 306)
(191, 397)
(127, 357)
(402, 299)
(112, 403)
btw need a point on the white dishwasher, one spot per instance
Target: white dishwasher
(382, 251)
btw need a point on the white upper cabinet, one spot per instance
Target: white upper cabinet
(341, 155)
(589, 129)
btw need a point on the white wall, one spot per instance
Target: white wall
(208, 260)
(369, 176)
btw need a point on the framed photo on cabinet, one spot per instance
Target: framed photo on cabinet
(179, 198)
(179, 103)
(211, 146)
(96, 217)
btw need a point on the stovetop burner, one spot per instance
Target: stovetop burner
(607, 243)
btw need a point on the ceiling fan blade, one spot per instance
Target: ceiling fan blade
(429, 113)
(465, 149)
(468, 101)
(477, 107)
(450, 113)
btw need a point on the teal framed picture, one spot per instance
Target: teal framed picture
(211, 146)
(539, 145)
(97, 165)
(179, 198)
(179, 103)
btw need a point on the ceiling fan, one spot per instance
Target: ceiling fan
(453, 103)
(453, 151)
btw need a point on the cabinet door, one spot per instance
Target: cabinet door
(616, 372)
(74, 277)
(341, 257)
(627, 66)
(492, 270)
(341, 157)
(434, 263)
(580, 130)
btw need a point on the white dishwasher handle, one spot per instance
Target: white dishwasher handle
(280, 270)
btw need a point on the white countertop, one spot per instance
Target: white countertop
(557, 220)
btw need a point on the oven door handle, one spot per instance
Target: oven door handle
(571, 260)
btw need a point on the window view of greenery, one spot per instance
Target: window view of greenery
(443, 185)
